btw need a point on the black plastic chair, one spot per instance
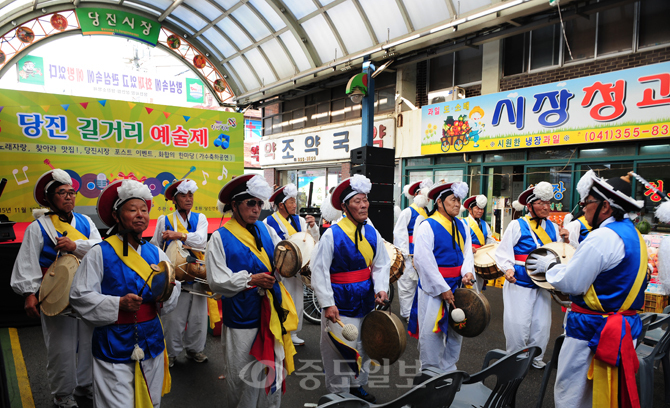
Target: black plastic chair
(647, 320)
(653, 335)
(510, 370)
(648, 356)
(438, 390)
(551, 365)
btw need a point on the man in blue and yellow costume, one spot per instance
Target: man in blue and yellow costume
(480, 231)
(186, 327)
(258, 312)
(403, 238)
(350, 274)
(286, 222)
(58, 230)
(527, 308)
(116, 290)
(578, 228)
(444, 261)
(605, 279)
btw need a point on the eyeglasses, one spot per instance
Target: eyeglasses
(67, 193)
(253, 203)
(583, 204)
(542, 203)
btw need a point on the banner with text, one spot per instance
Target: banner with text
(624, 105)
(98, 141)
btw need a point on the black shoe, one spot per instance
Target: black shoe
(362, 394)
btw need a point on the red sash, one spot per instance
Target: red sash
(520, 258)
(476, 246)
(44, 270)
(351, 277)
(147, 312)
(611, 344)
(450, 272)
(411, 239)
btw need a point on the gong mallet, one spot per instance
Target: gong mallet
(349, 331)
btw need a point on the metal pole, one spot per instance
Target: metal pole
(368, 111)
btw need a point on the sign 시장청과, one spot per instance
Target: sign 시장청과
(624, 105)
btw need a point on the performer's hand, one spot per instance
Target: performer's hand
(539, 263)
(474, 250)
(381, 297)
(262, 280)
(468, 278)
(509, 275)
(449, 297)
(171, 235)
(130, 303)
(309, 219)
(30, 306)
(565, 234)
(65, 244)
(331, 313)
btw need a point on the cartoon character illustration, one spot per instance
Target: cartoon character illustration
(476, 115)
(29, 70)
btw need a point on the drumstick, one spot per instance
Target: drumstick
(58, 253)
(154, 269)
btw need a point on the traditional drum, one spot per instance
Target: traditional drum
(292, 255)
(397, 261)
(485, 263)
(563, 253)
(383, 336)
(477, 312)
(162, 281)
(184, 270)
(55, 290)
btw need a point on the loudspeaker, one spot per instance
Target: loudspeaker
(381, 215)
(376, 173)
(373, 155)
(381, 193)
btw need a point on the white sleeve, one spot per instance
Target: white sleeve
(489, 234)
(400, 233)
(319, 264)
(559, 238)
(574, 228)
(602, 250)
(221, 279)
(27, 273)
(417, 222)
(381, 266)
(85, 294)
(157, 239)
(468, 256)
(85, 245)
(314, 232)
(432, 281)
(198, 239)
(504, 254)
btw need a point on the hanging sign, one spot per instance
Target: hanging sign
(116, 22)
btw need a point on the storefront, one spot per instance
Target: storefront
(502, 143)
(317, 159)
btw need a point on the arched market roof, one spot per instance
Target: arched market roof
(262, 47)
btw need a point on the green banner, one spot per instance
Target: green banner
(116, 22)
(98, 141)
(195, 91)
(31, 70)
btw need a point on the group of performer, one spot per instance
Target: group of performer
(120, 350)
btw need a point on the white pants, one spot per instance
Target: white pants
(436, 349)
(294, 287)
(406, 288)
(339, 377)
(572, 388)
(526, 318)
(186, 326)
(68, 342)
(245, 376)
(114, 383)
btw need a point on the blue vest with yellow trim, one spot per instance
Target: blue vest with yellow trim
(48, 254)
(446, 255)
(352, 299)
(273, 223)
(583, 231)
(612, 288)
(243, 311)
(482, 226)
(410, 227)
(191, 226)
(525, 246)
(114, 343)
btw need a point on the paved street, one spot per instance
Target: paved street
(199, 384)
